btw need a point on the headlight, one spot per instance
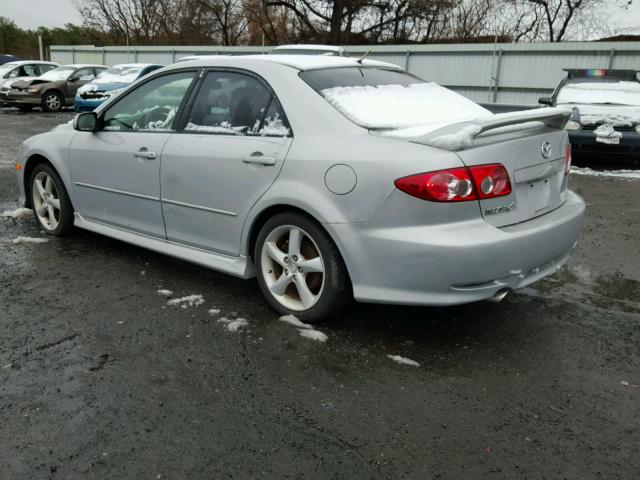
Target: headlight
(573, 125)
(33, 90)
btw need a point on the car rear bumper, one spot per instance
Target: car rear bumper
(583, 143)
(459, 262)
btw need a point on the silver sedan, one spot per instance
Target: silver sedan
(327, 178)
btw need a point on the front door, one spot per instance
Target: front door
(116, 171)
(229, 151)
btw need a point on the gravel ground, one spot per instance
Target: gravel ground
(101, 378)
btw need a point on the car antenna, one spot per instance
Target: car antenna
(364, 55)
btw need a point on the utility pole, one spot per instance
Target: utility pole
(40, 47)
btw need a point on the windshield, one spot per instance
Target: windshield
(6, 68)
(599, 92)
(379, 98)
(60, 73)
(119, 74)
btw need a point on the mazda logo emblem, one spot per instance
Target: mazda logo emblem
(546, 150)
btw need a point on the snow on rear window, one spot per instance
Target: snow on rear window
(601, 92)
(119, 75)
(402, 106)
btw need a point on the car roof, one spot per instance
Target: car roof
(300, 62)
(83, 65)
(134, 65)
(30, 62)
(331, 48)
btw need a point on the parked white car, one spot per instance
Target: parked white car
(21, 70)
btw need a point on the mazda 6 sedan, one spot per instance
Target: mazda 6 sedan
(327, 178)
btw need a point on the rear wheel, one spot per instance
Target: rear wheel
(299, 268)
(50, 201)
(52, 102)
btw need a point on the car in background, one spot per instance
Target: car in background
(6, 58)
(329, 50)
(605, 112)
(110, 83)
(53, 90)
(21, 70)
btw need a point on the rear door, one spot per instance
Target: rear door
(535, 160)
(116, 171)
(230, 150)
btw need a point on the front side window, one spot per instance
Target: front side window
(233, 103)
(84, 75)
(151, 107)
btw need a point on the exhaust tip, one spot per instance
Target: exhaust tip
(499, 295)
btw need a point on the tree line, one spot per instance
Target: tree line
(273, 22)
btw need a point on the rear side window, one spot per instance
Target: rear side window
(387, 99)
(232, 103)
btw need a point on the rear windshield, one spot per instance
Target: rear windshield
(381, 98)
(599, 91)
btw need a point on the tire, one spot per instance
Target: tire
(316, 264)
(52, 102)
(50, 200)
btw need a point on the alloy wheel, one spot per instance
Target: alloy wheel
(292, 267)
(46, 201)
(53, 102)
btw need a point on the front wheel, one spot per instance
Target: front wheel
(52, 102)
(299, 268)
(50, 201)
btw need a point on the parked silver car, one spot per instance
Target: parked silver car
(328, 178)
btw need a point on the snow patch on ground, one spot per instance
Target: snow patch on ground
(164, 292)
(233, 325)
(313, 335)
(29, 240)
(293, 320)
(214, 311)
(403, 360)
(188, 301)
(626, 174)
(18, 213)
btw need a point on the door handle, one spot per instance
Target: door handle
(257, 158)
(144, 153)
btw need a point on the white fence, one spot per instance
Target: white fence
(506, 73)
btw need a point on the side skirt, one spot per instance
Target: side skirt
(236, 266)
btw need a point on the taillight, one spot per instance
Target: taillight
(458, 184)
(491, 180)
(453, 185)
(567, 160)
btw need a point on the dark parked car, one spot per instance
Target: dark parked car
(54, 90)
(605, 115)
(5, 58)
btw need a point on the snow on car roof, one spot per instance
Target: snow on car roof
(29, 62)
(133, 65)
(82, 65)
(300, 62)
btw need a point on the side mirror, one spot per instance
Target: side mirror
(86, 122)
(545, 101)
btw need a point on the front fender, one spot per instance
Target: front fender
(52, 146)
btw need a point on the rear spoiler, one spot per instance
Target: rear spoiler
(555, 117)
(460, 135)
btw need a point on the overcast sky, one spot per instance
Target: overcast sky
(55, 13)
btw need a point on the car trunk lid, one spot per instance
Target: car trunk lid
(532, 148)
